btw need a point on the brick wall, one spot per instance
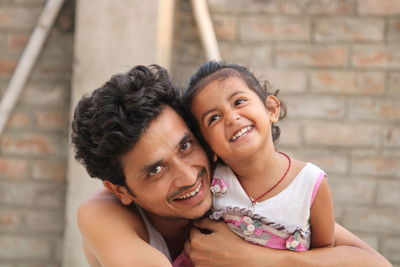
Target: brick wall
(33, 149)
(336, 62)
(337, 65)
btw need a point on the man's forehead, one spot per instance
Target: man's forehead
(162, 137)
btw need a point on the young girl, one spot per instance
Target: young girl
(263, 195)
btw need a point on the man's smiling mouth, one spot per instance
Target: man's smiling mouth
(190, 194)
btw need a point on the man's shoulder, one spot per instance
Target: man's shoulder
(103, 210)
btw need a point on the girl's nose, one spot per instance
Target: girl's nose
(232, 118)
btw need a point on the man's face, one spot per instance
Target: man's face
(168, 171)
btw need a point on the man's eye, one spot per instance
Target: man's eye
(213, 118)
(239, 101)
(156, 170)
(186, 146)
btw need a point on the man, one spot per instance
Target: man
(131, 134)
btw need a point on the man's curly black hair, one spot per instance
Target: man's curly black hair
(110, 121)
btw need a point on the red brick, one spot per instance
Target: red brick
(51, 120)
(349, 29)
(225, 27)
(5, 18)
(376, 56)
(17, 41)
(374, 109)
(393, 33)
(10, 220)
(19, 120)
(348, 82)
(19, 18)
(278, 28)
(7, 66)
(339, 7)
(49, 170)
(14, 168)
(341, 134)
(379, 7)
(311, 56)
(29, 144)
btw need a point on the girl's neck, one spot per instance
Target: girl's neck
(260, 172)
(258, 164)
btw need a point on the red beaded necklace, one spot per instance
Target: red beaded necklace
(254, 201)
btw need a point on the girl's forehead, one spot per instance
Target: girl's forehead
(225, 84)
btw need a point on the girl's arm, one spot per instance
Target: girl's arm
(322, 217)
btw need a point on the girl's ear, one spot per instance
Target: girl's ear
(273, 107)
(119, 191)
(215, 157)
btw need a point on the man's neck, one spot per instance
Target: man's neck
(174, 231)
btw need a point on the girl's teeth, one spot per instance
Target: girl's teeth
(240, 133)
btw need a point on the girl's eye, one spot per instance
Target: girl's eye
(156, 170)
(240, 101)
(213, 118)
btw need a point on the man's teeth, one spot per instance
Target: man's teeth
(190, 194)
(241, 133)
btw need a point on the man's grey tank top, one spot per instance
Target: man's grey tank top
(156, 239)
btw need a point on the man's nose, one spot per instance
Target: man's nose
(184, 173)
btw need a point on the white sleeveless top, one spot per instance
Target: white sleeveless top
(290, 207)
(156, 239)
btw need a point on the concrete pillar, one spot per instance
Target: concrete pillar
(111, 37)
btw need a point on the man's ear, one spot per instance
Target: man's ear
(273, 107)
(119, 191)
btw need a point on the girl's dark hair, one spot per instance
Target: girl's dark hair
(110, 121)
(213, 70)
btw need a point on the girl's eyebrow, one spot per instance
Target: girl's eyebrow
(206, 113)
(235, 93)
(229, 98)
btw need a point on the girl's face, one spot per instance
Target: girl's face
(233, 119)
